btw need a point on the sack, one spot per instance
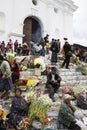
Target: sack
(47, 45)
(82, 102)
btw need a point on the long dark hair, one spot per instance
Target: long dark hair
(18, 89)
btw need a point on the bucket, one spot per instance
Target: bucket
(48, 129)
(37, 71)
(78, 69)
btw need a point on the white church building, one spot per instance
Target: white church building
(27, 20)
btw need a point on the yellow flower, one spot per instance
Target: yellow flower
(30, 94)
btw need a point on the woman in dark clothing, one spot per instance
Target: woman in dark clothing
(15, 72)
(55, 50)
(18, 111)
(42, 43)
(66, 116)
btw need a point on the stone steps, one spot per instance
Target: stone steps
(74, 83)
(71, 78)
(75, 77)
(70, 73)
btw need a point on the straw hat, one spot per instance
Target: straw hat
(24, 44)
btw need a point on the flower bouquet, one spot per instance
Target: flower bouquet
(45, 100)
(38, 109)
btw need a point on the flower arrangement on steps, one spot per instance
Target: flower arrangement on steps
(37, 69)
(39, 108)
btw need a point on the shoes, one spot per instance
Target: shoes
(53, 99)
(67, 68)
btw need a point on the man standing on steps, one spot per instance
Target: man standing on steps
(68, 53)
(53, 82)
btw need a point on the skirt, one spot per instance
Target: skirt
(54, 57)
(6, 84)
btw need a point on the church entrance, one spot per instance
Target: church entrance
(31, 30)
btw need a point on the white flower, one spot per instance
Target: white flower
(45, 100)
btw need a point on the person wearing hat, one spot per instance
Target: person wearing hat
(5, 77)
(53, 82)
(25, 49)
(46, 38)
(66, 117)
(18, 110)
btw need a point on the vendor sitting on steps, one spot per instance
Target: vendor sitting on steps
(53, 82)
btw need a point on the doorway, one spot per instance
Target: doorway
(31, 30)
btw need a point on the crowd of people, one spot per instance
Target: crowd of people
(42, 48)
(9, 74)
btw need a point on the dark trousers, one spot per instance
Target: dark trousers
(2, 125)
(52, 89)
(66, 61)
(74, 126)
(54, 57)
(14, 78)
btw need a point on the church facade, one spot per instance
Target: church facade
(29, 20)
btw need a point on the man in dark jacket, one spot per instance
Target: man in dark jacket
(67, 51)
(53, 82)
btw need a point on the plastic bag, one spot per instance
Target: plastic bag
(78, 114)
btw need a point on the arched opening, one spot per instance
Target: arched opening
(31, 30)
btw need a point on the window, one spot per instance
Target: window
(34, 2)
(2, 21)
(56, 10)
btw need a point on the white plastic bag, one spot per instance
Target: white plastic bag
(81, 124)
(78, 114)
